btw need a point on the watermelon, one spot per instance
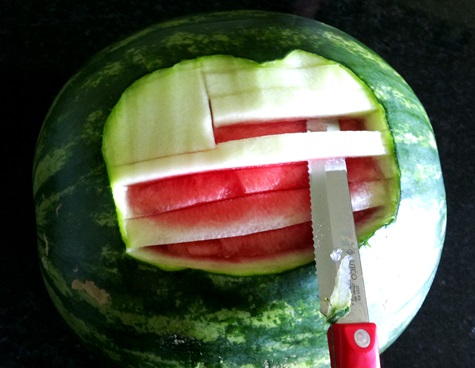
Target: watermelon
(242, 292)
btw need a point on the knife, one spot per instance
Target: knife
(352, 339)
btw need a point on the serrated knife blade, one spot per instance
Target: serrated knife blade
(351, 336)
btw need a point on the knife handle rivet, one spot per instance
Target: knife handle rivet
(362, 338)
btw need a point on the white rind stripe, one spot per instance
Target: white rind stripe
(266, 150)
(288, 103)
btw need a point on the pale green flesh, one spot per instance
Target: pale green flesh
(163, 126)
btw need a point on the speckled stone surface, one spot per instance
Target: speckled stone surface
(431, 44)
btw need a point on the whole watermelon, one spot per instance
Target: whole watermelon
(138, 315)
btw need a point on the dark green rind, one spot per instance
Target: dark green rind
(141, 316)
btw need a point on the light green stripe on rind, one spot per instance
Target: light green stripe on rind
(223, 329)
(50, 165)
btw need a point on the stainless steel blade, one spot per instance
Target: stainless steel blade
(334, 229)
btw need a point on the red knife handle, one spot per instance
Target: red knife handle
(353, 345)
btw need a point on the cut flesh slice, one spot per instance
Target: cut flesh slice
(259, 253)
(247, 246)
(137, 128)
(258, 129)
(241, 255)
(270, 93)
(329, 77)
(170, 194)
(240, 216)
(370, 194)
(266, 150)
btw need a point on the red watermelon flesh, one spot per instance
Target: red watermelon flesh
(238, 214)
(291, 239)
(174, 193)
(261, 244)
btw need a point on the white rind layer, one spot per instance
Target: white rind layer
(266, 150)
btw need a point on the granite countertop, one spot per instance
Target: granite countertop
(431, 44)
